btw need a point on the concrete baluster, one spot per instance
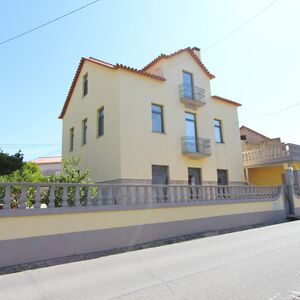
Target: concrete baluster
(51, 196)
(64, 202)
(37, 197)
(23, 197)
(7, 198)
(77, 197)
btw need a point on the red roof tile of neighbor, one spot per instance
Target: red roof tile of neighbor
(48, 160)
(190, 51)
(142, 72)
(255, 132)
(227, 101)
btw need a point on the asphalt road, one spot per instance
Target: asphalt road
(262, 263)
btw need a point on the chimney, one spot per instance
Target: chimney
(196, 50)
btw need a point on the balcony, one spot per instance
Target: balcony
(270, 153)
(195, 147)
(192, 96)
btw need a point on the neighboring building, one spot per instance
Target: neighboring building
(266, 160)
(49, 165)
(155, 125)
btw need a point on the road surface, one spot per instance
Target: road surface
(262, 263)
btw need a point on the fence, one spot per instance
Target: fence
(44, 195)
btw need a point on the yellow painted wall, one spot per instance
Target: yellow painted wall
(266, 175)
(41, 225)
(101, 154)
(141, 148)
(129, 147)
(296, 165)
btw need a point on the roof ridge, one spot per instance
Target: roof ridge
(226, 100)
(163, 55)
(191, 52)
(105, 64)
(254, 131)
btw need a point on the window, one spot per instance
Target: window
(84, 132)
(160, 174)
(85, 85)
(191, 132)
(222, 177)
(157, 118)
(243, 137)
(101, 121)
(71, 148)
(188, 85)
(218, 131)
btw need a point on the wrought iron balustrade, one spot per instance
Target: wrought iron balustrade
(197, 146)
(192, 95)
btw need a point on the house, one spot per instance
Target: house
(157, 125)
(267, 160)
(49, 165)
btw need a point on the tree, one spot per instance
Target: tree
(29, 172)
(70, 172)
(10, 163)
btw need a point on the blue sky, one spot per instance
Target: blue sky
(258, 66)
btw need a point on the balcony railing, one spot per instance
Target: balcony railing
(42, 196)
(196, 147)
(191, 96)
(269, 152)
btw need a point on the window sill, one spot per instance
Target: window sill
(99, 136)
(220, 143)
(158, 132)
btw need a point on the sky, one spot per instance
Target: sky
(252, 46)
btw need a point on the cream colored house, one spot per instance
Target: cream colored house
(49, 165)
(159, 124)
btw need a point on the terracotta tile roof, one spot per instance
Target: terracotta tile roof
(190, 51)
(226, 101)
(48, 160)
(105, 64)
(255, 132)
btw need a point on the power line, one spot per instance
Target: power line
(58, 150)
(47, 23)
(27, 146)
(229, 34)
(272, 113)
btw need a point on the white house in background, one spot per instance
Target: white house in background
(49, 165)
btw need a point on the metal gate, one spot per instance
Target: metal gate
(288, 192)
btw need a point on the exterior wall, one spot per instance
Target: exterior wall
(101, 154)
(252, 136)
(129, 147)
(266, 175)
(295, 165)
(32, 235)
(48, 169)
(229, 153)
(141, 148)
